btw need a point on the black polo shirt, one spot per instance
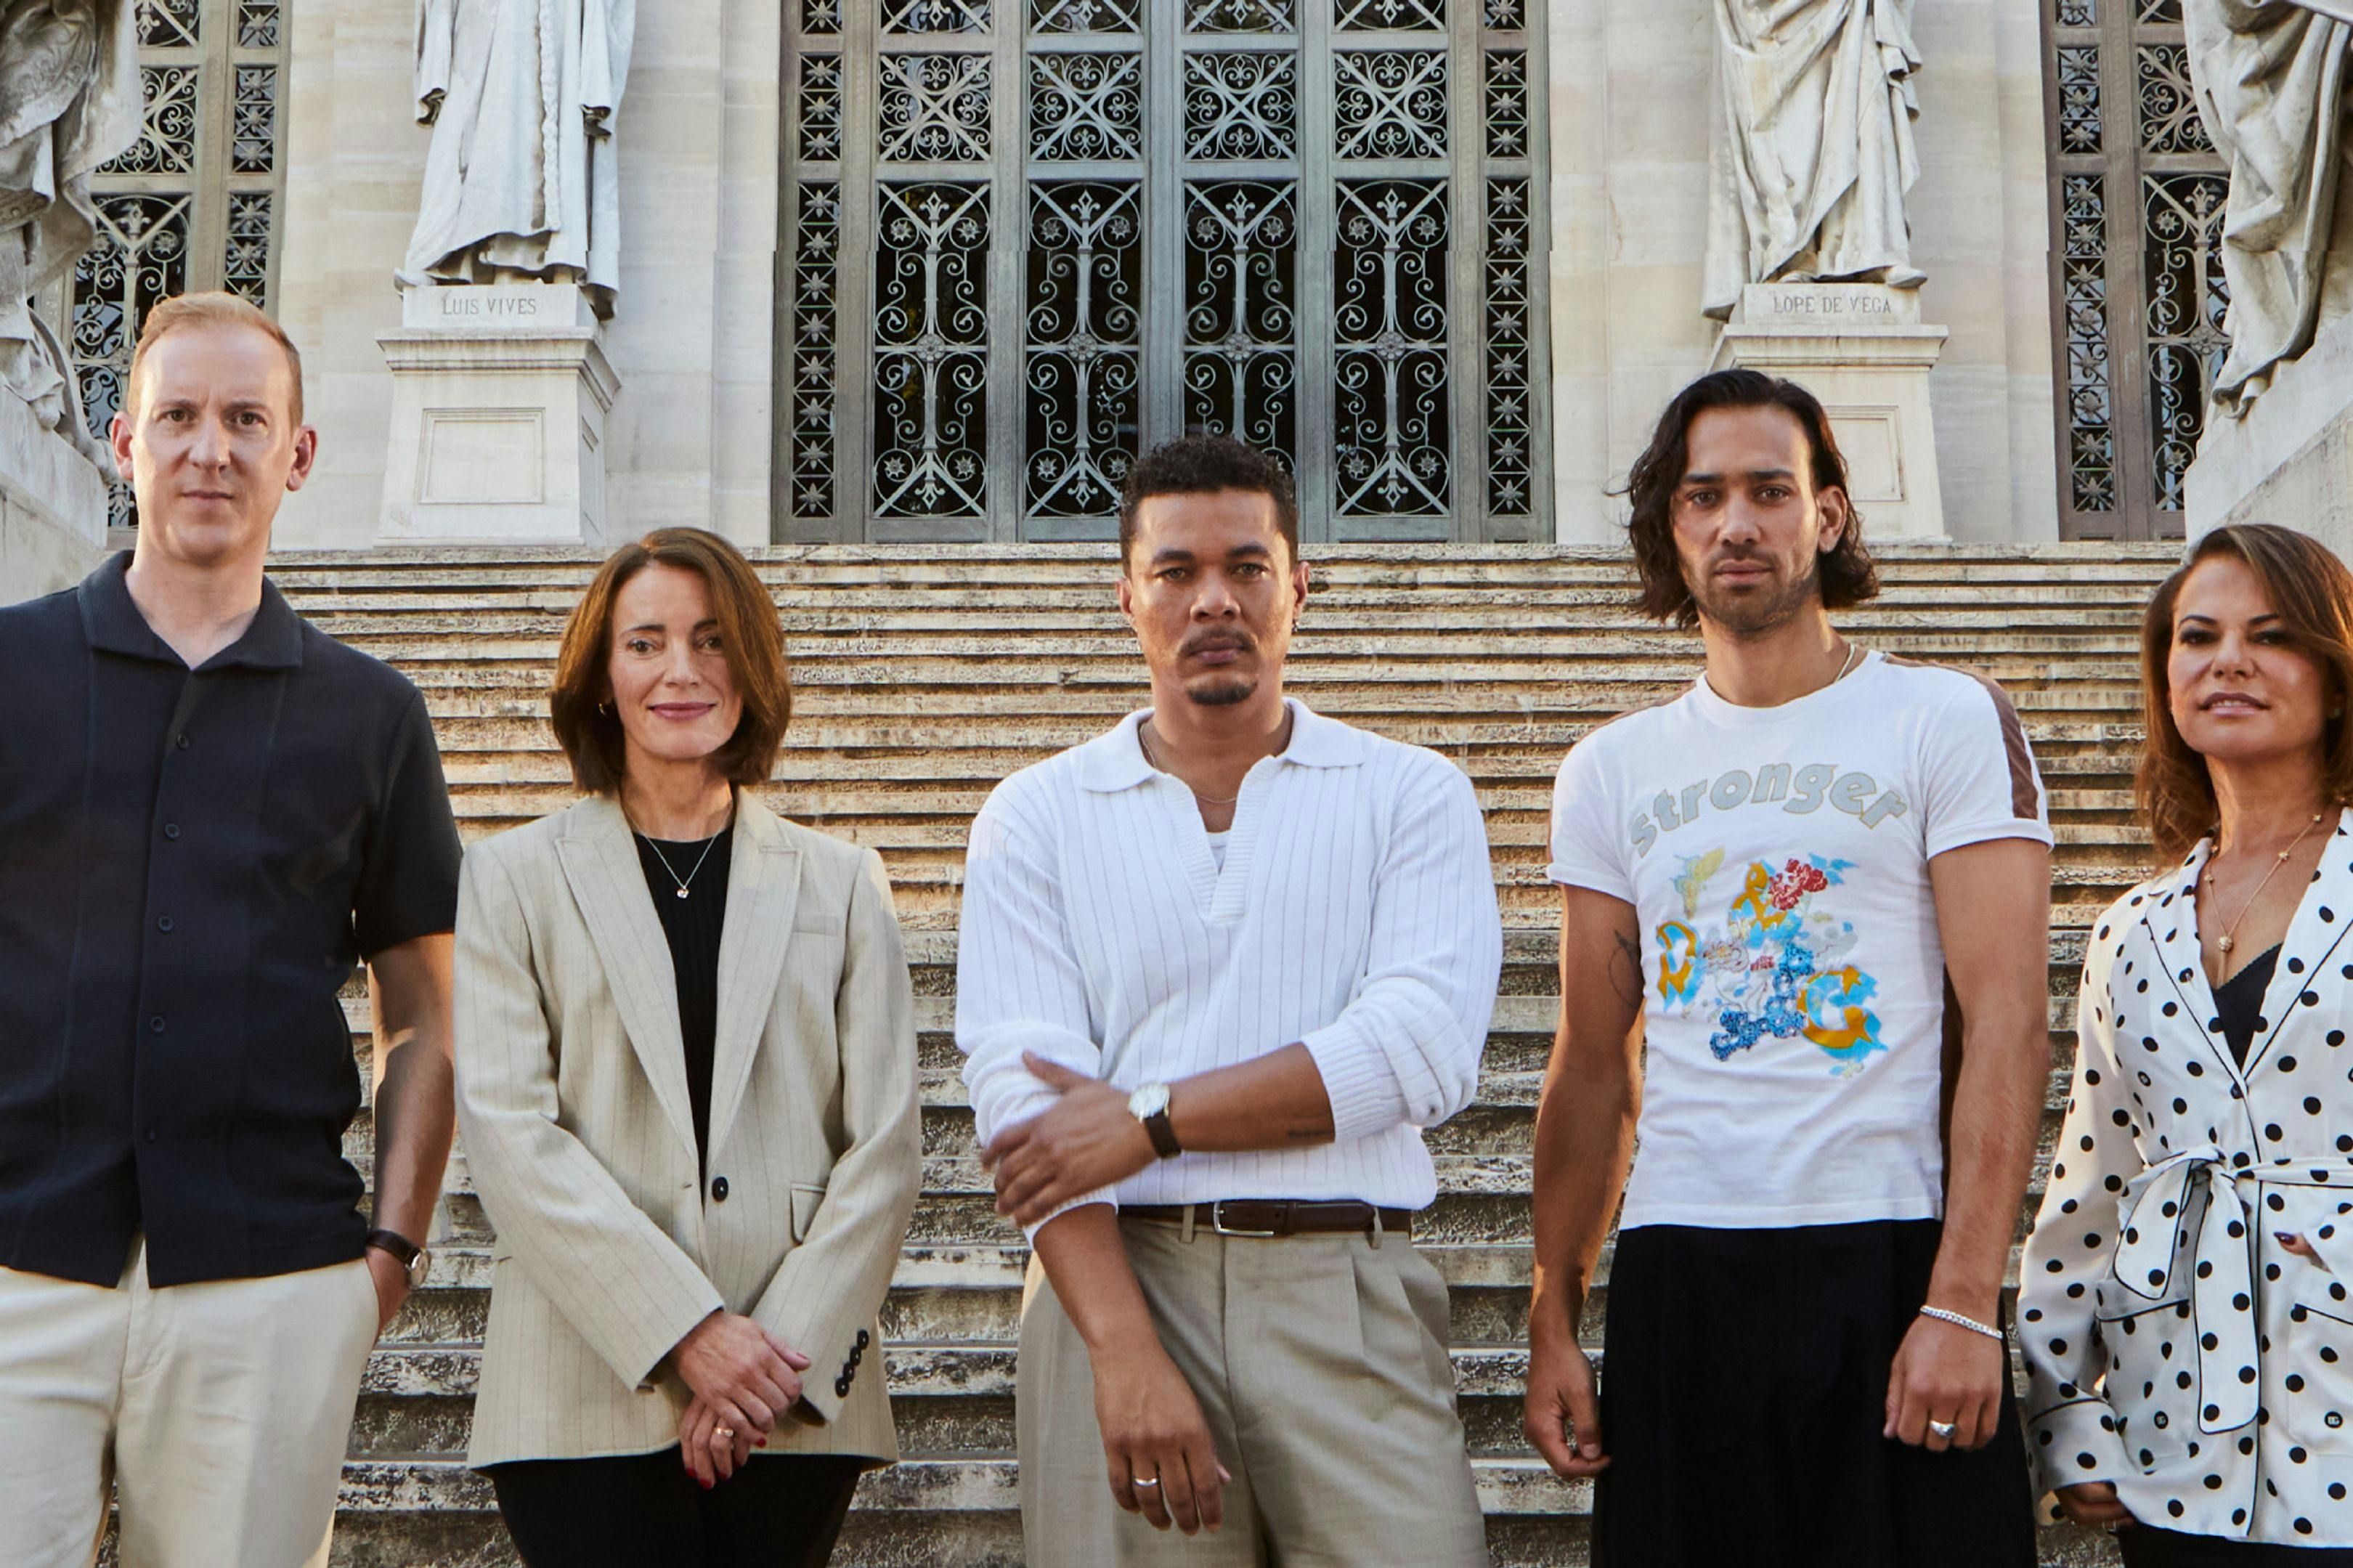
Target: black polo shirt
(191, 865)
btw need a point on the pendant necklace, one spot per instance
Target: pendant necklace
(666, 866)
(2231, 934)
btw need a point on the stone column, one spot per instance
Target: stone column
(52, 506)
(1861, 349)
(500, 394)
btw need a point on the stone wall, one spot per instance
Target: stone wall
(52, 508)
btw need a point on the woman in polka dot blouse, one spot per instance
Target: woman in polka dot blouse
(2186, 1307)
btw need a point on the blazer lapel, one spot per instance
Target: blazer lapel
(609, 884)
(764, 883)
(2323, 915)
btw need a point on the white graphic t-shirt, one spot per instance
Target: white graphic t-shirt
(1778, 859)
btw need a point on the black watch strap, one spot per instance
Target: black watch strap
(1162, 1133)
(403, 1251)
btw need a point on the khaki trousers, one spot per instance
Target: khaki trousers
(1321, 1365)
(220, 1411)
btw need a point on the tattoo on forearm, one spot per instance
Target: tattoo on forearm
(1626, 970)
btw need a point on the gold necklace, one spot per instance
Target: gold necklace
(2231, 933)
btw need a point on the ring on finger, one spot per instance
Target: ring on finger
(726, 1432)
(1141, 1484)
(1944, 1429)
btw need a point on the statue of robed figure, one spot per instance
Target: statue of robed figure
(520, 181)
(2270, 81)
(68, 102)
(1808, 180)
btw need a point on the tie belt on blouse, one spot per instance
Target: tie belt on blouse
(1268, 1217)
(2221, 1289)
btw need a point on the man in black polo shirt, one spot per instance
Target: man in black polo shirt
(209, 812)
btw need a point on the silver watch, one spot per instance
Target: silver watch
(1149, 1105)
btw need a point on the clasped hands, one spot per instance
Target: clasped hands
(1085, 1141)
(743, 1378)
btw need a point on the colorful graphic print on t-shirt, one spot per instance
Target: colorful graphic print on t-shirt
(1769, 965)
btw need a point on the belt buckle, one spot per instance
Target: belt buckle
(1218, 1225)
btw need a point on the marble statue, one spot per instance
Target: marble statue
(1809, 178)
(2270, 77)
(521, 179)
(68, 102)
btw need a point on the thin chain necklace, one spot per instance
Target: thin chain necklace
(1157, 767)
(682, 881)
(2231, 933)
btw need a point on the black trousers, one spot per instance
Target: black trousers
(644, 1511)
(1744, 1386)
(2146, 1546)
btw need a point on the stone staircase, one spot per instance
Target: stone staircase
(925, 674)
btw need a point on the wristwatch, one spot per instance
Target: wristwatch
(1149, 1105)
(404, 1252)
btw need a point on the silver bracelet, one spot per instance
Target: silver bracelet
(1958, 1321)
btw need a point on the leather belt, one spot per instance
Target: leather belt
(1272, 1218)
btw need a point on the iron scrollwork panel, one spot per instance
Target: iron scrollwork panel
(935, 15)
(167, 124)
(2091, 403)
(1509, 349)
(253, 149)
(817, 327)
(1083, 362)
(245, 255)
(2184, 305)
(2168, 105)
(1241, 104)
(1389, 15)
(820, 108)
(1507, 103)
(1241, 16)
(934, 108)
(1389, 349)
(1085, 16)
(931, 350)
(139, 259)
(1389, 103)
(171, 24)
(1086, 106)
(2079, 98)
(1241, 312)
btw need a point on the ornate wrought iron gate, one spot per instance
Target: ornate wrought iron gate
(2137, 297)
(1024, 239)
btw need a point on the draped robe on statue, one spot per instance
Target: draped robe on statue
(1810, 179)
(520, 181)
(2270, 78)
(68, 102)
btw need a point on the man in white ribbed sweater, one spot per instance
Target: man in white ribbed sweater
(1218, 968)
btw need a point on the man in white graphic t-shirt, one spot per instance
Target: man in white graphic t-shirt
(1804, 925)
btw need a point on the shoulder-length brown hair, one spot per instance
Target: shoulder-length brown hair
(2312, 593)
(750, 637)
(1848, 574)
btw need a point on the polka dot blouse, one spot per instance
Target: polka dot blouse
(2173, 1346)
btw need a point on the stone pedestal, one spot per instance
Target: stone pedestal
(1862, 350)
(52, 506)
(2290, 459)
(500, 394)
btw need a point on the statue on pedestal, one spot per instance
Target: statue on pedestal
(68, 102)
(2271, 77)
(1808, 184)
(520, 181)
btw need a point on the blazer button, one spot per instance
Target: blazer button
(841, 1386)
(718, 1189)
(862, 1340)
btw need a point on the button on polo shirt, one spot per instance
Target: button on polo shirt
(191, 864)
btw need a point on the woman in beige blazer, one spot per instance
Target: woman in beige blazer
(686, 1086)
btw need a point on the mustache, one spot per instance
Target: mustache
(1221, 638)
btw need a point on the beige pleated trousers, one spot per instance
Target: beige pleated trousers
(220, 1412)
(1321, 1365)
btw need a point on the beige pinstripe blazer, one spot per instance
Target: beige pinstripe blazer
(572, 1102)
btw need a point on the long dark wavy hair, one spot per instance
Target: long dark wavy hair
(1848, 576)
(2311, 592)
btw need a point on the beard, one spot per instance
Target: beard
(1219, 690)
(1753, 612)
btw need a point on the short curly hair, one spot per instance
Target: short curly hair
(1848, 576)
(1201, 465)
